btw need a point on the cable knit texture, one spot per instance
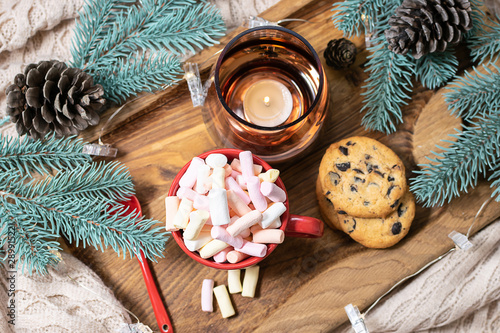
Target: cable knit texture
(458, 294)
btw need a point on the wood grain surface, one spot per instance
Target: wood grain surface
(305, 284)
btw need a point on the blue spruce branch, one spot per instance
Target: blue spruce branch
(28, 155)
(137, 37)
(128, 77)
(457, 169)
(475, 94)
(485, 43)
(435, 69)
(387, 88)
(80, 200)
(495, 179)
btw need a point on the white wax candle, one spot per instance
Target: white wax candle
(267, 103)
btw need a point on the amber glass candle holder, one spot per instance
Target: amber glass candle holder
(269, 94)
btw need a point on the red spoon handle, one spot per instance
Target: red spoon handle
(159, 309)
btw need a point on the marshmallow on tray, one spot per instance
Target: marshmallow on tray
(224, 302)
(269, 236)
(212, 248)
(253, 249)
(203, 238)
(235, 256)
(232, 185)
(202, 179)
(218, 176)
(270, 175)
(250, 281)
(222, 255)
(246, 164)
(207, 299)
(221, 234)
(233, 281)
(237, 204)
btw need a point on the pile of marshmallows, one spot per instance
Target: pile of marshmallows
(227, 211)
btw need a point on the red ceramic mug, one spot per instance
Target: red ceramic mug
(292, 225)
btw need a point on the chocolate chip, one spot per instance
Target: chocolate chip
(334, 178)
(369, 167)
(353, 226)
(358, 171)
(328, 193)
(342, 212)
(367, 156)
(374, 148)
(350, 143)
(395, 203)
(344, 150)
(329, 201)
(396, 228)
(390, 190)
(366, 203)
(354, 188)
(343, 166)
(390, 178)
(359, 180)
(380, 173)
(400, 210)
(395, 166)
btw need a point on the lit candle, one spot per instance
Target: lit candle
(267, 103)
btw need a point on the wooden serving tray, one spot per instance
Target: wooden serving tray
(305, 284)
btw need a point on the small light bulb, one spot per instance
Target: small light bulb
(267, 100)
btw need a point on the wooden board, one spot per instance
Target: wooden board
(305, 284)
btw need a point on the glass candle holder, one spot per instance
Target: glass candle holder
(269, 94)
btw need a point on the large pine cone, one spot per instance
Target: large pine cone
(426, 26)
(50, 97)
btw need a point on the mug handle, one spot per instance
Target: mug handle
(304, 227)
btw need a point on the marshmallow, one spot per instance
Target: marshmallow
(274, 224)
(250, 281)
(203, 238)
(181, 218)
(224, 302)
(235, 256)
(272, 213)
(268, 236)
(221, 234)
(189, 177)
(207, 296)
(218, 177)
(232, 185)
(171, 207)
(219, 209)
(228, 170)
(202, 185)
(197, 220)
(222, 255)
(246, 162)
(237, 204)
(213, 247)
(244, 222)
(236, 165)
(258, 200)
(253, 249)
(216, 160)
(269, 176)
(235, 173)
(241, 182)
(201, 202)
(273, 192)
(233, 281)
(186, 192)
(245, 233)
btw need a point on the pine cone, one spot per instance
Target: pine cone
(50, 97)
(426, 26)
(340, 53)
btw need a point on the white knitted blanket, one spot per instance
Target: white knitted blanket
(460, 293)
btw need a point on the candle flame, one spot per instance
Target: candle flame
(266, 100)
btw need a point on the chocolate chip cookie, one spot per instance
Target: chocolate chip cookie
(326, 208)
(381, 232)
(364, 178)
